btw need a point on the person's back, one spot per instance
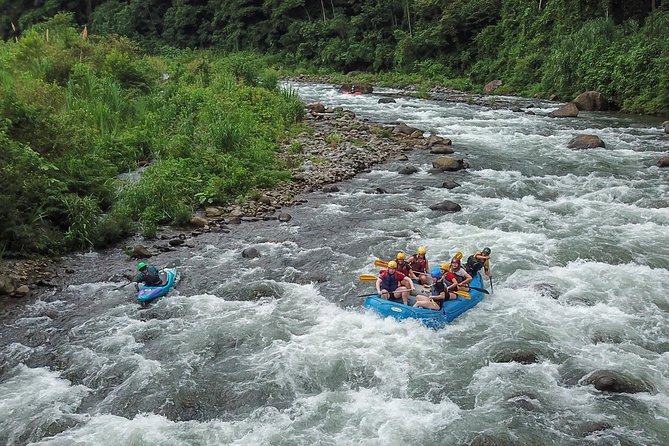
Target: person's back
(479, 260)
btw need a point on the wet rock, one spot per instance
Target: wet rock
(519, 356)
(330, 188)
(235, 221)
(591, 428)
(580, 142)
(436, 139)
(69, 271)
(140, 252)
(416, 134)
(448, 163)
(198, 222)
(492, 86)
(408, 208)
(316, 107)
(176, 242)
(446, 206)
(380, 190)
(566, 111)
(665, 124)
(408, 170)
(591, 101)
(265, 200)
(22, 291)
(250, 253)
(402, 158)
(404, 130)
(162, 248)
(213, 212)
(6, 285)
(441, 149)
(547, 290)
(387, 101)
(46, 284)
(530, 112)
(663, 162)
(284, 217)
(616, 382)
(450, 184)
(419, 188)
(516, 109)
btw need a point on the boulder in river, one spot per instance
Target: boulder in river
(140, 252)
(617, 382)
(569, 110)
(250, 253)
(446, 206)
(402, 129)
(491, 86)
(580, 142)
(408, 170)
(665, 124)
(449, 163)
(663, 162)
(450, 184)
(441, 149)
(387, 101)
(6, 285)
(591, 101)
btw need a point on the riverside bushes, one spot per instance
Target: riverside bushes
(76, 111)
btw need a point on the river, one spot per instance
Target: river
(276, 350)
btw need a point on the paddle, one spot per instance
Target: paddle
(483, 290)
(491, 288)
(122, 286)
(380, 263)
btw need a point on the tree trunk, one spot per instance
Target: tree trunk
(323, 9)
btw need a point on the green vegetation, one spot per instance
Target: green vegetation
(76, 112)
(536, 47)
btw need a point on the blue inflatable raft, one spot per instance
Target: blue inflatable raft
(430, 318)
(148, 293)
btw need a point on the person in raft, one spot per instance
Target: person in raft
(403, 266)
(394, 285)
(478, 261)
(420, 266)
(461, 275)
(444, 284)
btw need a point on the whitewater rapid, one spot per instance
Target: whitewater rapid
(276, 350)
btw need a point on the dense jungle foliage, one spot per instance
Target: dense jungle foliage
(543, 47)
(112, 84)
(77, 110)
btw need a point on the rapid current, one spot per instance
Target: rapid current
(277, 350)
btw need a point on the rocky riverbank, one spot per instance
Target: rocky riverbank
(334, 146)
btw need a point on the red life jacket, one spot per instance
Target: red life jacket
(419, 265)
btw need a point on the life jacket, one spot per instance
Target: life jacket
(403, 268)
(474, 265)
(390, 282)
(151, 277)
(419, 265)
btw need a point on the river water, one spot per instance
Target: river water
(277, 350)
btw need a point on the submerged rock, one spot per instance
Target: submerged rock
(250, 253)
(446, 206)
(611, 381)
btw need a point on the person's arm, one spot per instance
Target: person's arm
(468, 278)
(378, 286)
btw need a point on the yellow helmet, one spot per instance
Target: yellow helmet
(400, 255)
(445, 266)
(392, 264)
(422, 250)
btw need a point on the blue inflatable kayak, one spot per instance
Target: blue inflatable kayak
(430, 318)
(149, 293)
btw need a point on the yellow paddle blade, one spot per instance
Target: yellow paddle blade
(380, 263)
(367, 278)
(464, 294)
(458, 255)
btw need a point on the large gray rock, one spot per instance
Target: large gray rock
(441, 149)
(6, 285)
(140, 252)
(665, 124)
(663, 162)
(591, 101)
(387, 101)
(569, 110)
(250, 253)
(610, 381)
(449, 163)
(402, 129)
(446, 206)
(580, 142)
(408, 170)
(491, 86)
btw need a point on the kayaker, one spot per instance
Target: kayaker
(461, 275)
(443, 284)
(481, 259)
(148, 275)
(394, 285)
(420, 266)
